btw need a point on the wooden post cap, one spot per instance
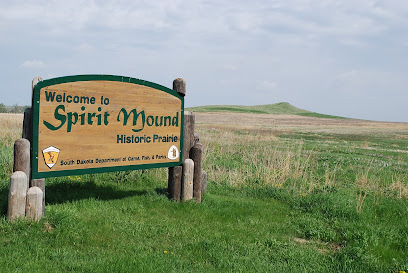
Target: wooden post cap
(22, 158)
(179, 85)
(36, 80)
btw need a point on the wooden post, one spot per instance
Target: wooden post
(40, 183)
(17, 195)
(179, 85)
(175, 173)
(196, 154)
(28, 134)
(197, 138)
(174, 187)
(188, 133)
(187, 181)
(28, 125)
(28, 114)
(36, 80)
(204, 183)
(33, 208)
(22, 158)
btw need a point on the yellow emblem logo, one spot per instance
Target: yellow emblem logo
(51, 156)
(173, 153)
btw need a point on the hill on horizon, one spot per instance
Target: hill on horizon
(281, 108)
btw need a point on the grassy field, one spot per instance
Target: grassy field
(281, 108)
(286, 193)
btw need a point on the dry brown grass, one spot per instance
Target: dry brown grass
(11, 127)
(265, 159)
(399, 188)
(268, 161)
(301, 123)
(261, 159)
(363, 183)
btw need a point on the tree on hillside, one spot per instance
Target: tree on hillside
(18, 109)
(3, 108)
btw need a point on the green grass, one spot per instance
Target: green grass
(99, 226)
(348, 192)
(277, 108)
(277, 201)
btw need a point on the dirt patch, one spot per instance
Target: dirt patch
(48, 227)
(323, 248)
(301, 241)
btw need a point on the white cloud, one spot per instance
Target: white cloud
(33, 64)
(230, 67)
(267, 86)
(85, 48)
(300, 49)
(347, 76)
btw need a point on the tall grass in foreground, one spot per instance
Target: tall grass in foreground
(11, 127)
(351, 190)
(259, 158)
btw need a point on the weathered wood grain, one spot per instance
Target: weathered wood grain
(188, 133)
(196, 154)
(187, 181)
(28, 125)
(34, 209)
(179, 85)
(40, 183)
(204, 182)
(17, 195)
(174, 183)
(36, 80)
(28, 114)
(197, 138)
(22, 157)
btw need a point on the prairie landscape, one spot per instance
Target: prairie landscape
(288, 190)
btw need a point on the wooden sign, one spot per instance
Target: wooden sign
(97, 123)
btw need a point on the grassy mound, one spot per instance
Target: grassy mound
(281, 108)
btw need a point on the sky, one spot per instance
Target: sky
(346, 58)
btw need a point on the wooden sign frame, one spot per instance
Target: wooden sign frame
(156, 95)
